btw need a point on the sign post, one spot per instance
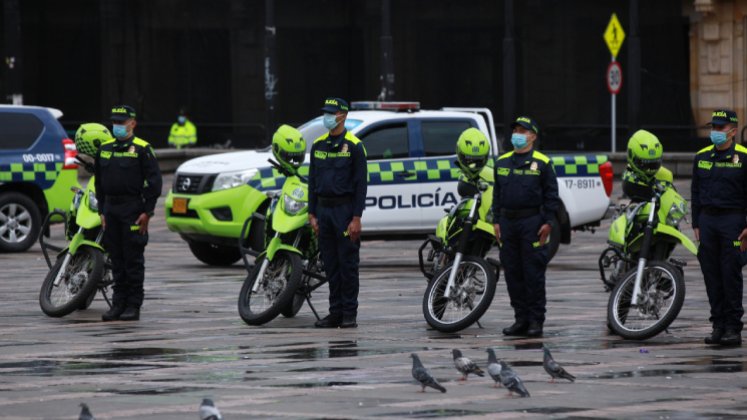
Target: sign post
(614, 36)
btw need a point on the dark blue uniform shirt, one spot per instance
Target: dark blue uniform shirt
(719, 179)
(338, 169)
(525, 181)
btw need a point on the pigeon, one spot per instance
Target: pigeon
(85, 413)
(511, 381)
(494, 368)
(465, 366)
(553, 368)
(208, 410)
(423, 375)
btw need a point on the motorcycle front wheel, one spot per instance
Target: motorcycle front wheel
(277, 288)
(470, 297)
(659, 302)
(79, 281)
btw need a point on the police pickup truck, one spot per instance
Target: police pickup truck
(412, 178)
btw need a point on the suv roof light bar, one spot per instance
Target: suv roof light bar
(408, 106)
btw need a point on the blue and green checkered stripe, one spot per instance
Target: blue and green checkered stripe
(429, 170)
(577, 166)
(43, 174)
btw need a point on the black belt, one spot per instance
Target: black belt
(519, 213)
(334, 201)
(121, 199)
(721, 211)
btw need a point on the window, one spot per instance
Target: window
(388, 142)
(440, 137)
(19, 130)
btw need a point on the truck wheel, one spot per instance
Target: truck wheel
(212, 254)
(20, 222)
(552, 247)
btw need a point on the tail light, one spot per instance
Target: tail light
(70, 154)
(605, 171)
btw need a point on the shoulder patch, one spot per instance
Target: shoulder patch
(506, 155)
(351, 138)
(140, 142)
(741, 149)
(540, 156)
(705, 149)
(322, 137)
(108, 142)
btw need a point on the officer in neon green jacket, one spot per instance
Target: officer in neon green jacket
(183, 132)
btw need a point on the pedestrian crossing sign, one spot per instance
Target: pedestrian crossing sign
(614, 35)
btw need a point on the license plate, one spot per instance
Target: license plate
(180, 206)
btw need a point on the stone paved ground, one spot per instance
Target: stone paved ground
(191, 344)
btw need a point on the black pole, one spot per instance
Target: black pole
(509, 74)
(269, 65)
(12, 51)
(634, 71)
(386, 78)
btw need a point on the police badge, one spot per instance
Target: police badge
(533, 166)
(735, 159)
(344, 148)
(131, 149)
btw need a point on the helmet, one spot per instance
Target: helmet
(472, 150)
(89, 138)
(289, 147)
(644, 153)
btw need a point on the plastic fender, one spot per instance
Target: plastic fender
(618, 229)
(442, 229)
(276, 245)
(484, 226)
(669, 230)
(79, 241)
(87, 218)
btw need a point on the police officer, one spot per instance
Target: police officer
(183, 132)
(644, 172)
(128, 183)
(525, 200)
(719, 203)
(337, 193)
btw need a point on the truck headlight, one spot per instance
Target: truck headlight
(227, 180)
(293, 206)
(93, 203)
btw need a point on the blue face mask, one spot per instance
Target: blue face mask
(330, 121)
(519, 140)
(181, 119)
(119, 131)
(718, 137)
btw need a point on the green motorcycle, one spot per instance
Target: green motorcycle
(648, 286)
(81, 267)
(462, 281)
(289, 268)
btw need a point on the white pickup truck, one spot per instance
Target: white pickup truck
(412, 177)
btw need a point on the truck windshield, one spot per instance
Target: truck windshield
(313, 129)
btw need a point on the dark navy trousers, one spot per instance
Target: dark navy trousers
(340, 256)
(524, 263)
(721, 263)
(126, 248)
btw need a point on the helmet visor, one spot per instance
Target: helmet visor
(472, 163)
(293, 158)
(648, 166)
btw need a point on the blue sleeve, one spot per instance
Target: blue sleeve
(550, 197)
(496, 194)
(360, 179)
(312, 182)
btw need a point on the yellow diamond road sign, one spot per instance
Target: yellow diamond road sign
(614, 35)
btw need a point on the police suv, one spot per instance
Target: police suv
(37, 172)
(412, 178)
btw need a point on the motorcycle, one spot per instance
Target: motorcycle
(648, 286)
(462, 281)
(289, 269)
(81, 268)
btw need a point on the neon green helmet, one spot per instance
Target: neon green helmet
(472, 150)
(644, 153)
(89, 138)
(289, 147)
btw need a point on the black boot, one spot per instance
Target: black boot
(731, 337)
(329, 321)
(113, 313)
(130, 314)
(535, 329)
(518, 328)
(348, 321)
(715, 337)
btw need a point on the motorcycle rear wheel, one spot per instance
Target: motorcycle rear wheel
(80, 280)
(277, 288)
(474, 288)
(659, 303)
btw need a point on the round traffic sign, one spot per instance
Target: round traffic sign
(614, 77)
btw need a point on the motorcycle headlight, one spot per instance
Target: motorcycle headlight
(676, 213)
(76, 199)
(227, 180)
(293, 206)
(93, 203)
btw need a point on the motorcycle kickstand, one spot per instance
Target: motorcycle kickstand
(106, 298)
(308, 300)
(479, 325)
